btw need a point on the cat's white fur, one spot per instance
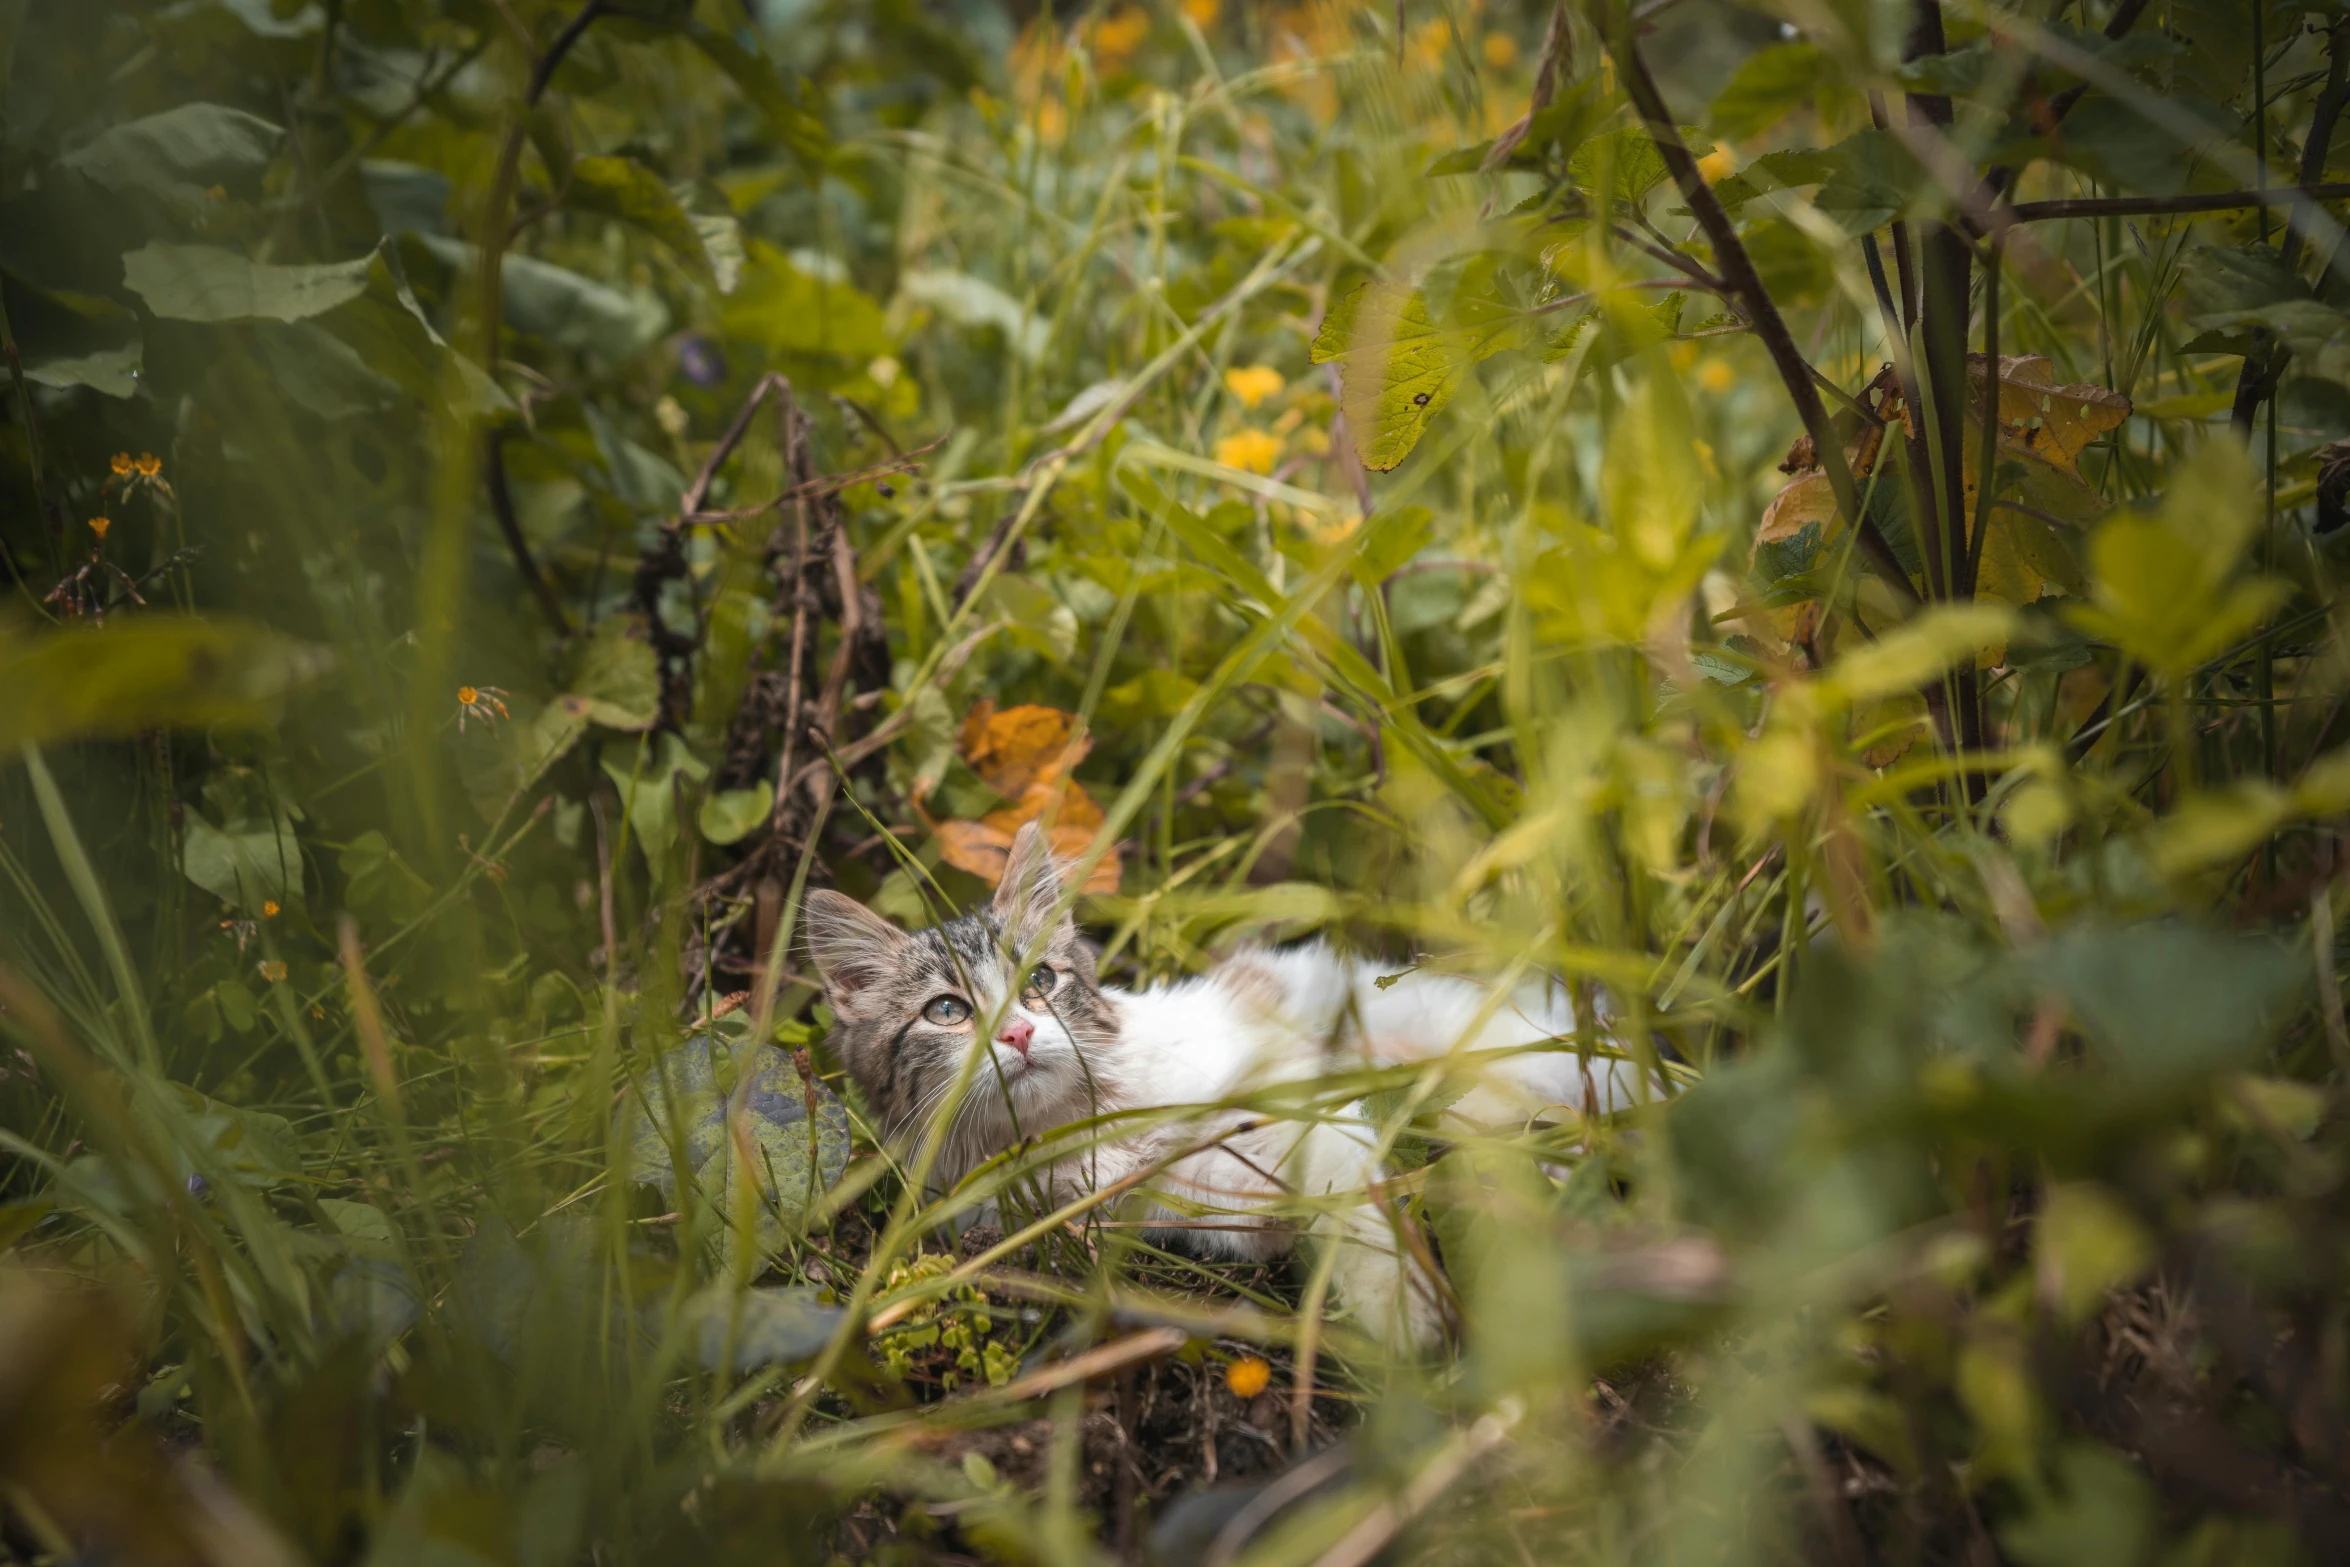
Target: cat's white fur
(1271, 1016)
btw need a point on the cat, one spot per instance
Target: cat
(909, 1007)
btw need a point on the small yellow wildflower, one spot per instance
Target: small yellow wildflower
(273, 971)
(1716, 164)
(1252, 450)
(121, 463)
(216, 193)
(1252, 384)
(1715, 375)
(1248, 1376)
(1501, 51)
(99, 525)
(269, 908)
(1117, 36)
(149, 465)
(1203, 13)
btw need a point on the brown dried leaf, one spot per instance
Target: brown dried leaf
(1025, 754)
(2040, 418)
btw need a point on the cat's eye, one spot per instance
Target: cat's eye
(1039, 984)
(947, 1011)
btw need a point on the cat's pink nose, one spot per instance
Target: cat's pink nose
(1016, 1032)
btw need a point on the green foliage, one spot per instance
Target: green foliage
(504, 499)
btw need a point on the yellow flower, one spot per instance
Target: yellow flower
(1248, 1376)
(269, 908)
(1203, 13)
(121, 464)
(1501, 51)
(468, 695)
(99, 525)
(1717, 163)
(1715, 375)
(273, 971)
(1117, 36)
(1252, 384)
(149, 465)
(1249, 449)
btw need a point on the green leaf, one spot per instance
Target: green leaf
(378, 884)
(617, 682)
(2101, 1513)
(1785, 170)
(776, 1326)
(2171, 1001)
(243, 864)
(678, 1113)
(255, 1148)
(407, 198)
(624, 189)
(1772, 84)
(2087, 1245)
(649, 794)
(207, 283)
(731, 815)
(1627, 162)
(788, 311)
(147, 672)
(177, 155)
(559, 306)
(760, 82)
(1398, 368)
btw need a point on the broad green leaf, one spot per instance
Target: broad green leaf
(2231, 291)
(775, 1326)
(243, 864)
(1650, 485)
(146, 672)
(2162, 584)
(625, 189)
(680, 1111)
(1625, 161)
(617, 682)
(651, 788)
(1918, 650)
(2087, 1245)
(2101, 1512)
(759, 81)
(407, 198)
(2170, 1002)
(176, 156)
(560, 306)
(789, 311)
(731, 815)
(207, 283)
(1398, 368)
(1772, 84)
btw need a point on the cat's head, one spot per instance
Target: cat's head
(911, 1006)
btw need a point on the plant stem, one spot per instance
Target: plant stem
(1738, 272)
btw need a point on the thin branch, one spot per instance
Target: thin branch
(1746, 286)
(2159, 206)
(510, 525)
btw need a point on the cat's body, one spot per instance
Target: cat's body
(1065, 1049)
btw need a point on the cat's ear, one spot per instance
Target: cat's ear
(1025, 898)
(855, 949)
